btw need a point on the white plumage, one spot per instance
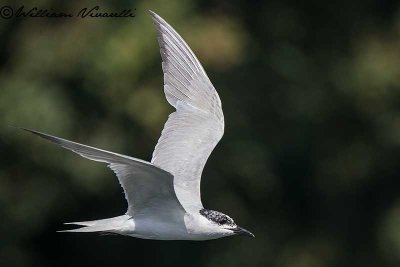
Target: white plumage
(164, 196)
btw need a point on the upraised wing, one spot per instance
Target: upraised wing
(197, 125)
(148, 189)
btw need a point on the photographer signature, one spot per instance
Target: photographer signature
(7, 12)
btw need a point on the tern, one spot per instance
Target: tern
(163, 195)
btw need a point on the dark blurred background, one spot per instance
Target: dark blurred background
(310, 157)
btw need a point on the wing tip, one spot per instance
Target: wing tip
(20, 128)
(159, 22)
(152, 13)
(28, 130)
(33, 132)
(48, 137)
(155, 17)
(24, 129)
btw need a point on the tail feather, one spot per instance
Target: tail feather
(87, 229)
(111, 225)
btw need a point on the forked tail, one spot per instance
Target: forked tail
(110, 225)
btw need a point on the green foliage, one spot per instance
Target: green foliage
(310, 158)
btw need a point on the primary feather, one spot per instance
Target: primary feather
(197, 125)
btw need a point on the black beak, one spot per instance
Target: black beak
(241, 231)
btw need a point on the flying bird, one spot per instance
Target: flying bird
(163, 195)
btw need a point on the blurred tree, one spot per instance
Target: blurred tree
(309, 160)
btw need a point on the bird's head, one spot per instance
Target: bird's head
(224, 223)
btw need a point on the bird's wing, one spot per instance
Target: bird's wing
(194, 129)
(148, 189)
